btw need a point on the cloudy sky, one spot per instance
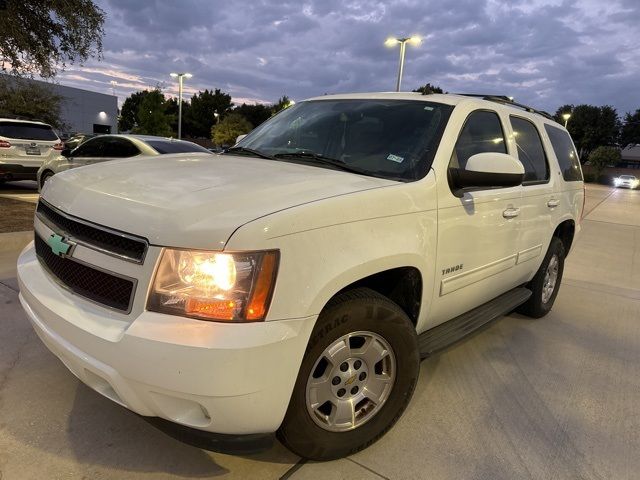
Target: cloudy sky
(542, 52)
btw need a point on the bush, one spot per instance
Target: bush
(603, 157)
(589, 177)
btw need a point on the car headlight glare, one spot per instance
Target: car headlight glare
(228, 287)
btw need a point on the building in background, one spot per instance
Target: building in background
(84, 111)
(630, 156)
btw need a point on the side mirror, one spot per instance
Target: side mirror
(240, 137)
(66, 152)
(487, 170)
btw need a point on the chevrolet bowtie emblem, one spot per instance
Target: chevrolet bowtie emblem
(58, 245)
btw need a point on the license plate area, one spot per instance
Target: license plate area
(32, 150)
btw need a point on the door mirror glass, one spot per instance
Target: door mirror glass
(487, 170)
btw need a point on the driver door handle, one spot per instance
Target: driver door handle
(511, 213)
(553, 203)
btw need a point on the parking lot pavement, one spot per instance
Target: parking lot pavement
(554, 398)
(24, 191)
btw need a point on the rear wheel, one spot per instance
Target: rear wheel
(356, 379)
(546, 283)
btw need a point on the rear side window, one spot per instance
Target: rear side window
(481, 133)
(530, 150)
(120, 148)
(27, 131)
(165, 146)
(94, 147)
(565, 153)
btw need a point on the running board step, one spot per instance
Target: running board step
(445, 334)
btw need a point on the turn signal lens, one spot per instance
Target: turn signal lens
(226, 287)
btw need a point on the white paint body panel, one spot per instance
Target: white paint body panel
(332, 228)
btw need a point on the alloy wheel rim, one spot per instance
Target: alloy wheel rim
(350, 381)
(550, 279)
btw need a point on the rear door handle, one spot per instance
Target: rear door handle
(553, 203)
(511, 213)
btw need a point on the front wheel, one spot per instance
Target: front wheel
(546, 283)
(356, 379)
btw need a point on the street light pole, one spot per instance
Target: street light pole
(566, 117)
(403, 46)
(180, 77)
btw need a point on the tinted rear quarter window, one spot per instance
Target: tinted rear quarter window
(166, 146)
(530, 150)
(27, 131)
(120, 148)
(94, 147)
(565, 153)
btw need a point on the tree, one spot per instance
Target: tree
(428, 89)
(630, 131)
(39, 36)
(152, 115)
(592, 126)
(31, 100)
(281, 104)
(129, 111)
(226, 132)
(256, 114)
(602, 157)
(199, 118)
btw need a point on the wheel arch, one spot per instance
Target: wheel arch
(565, 232)
(402, 285)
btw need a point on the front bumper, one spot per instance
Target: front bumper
(223, 378)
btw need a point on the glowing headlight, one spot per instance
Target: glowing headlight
(230, 287)
(617, 181)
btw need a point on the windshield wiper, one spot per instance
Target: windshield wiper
(250, 151)
(316, 157)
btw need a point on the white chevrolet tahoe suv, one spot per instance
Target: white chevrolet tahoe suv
(294, 283)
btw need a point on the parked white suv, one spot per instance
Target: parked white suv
(294, 283)
(24, 146)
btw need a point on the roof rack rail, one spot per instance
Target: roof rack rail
(12, 116)
(503, 99)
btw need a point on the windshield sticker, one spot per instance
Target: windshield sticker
(395, 158)
(428, 108)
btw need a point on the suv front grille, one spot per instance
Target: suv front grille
(96, 285)
(125, 246)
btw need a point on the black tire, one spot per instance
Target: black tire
(44, 177)
(361, 309)
(536, 307)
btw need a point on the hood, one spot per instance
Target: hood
(193, 201)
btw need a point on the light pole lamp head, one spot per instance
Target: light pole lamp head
(415, 40)
(172, 74)
(566, 116)
(187, 75)
(391, 42)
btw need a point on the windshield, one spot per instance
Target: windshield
(627, 177)
(394, 139)
(27, 131)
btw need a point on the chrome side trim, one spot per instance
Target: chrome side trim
(456, 282)
(529, 253)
